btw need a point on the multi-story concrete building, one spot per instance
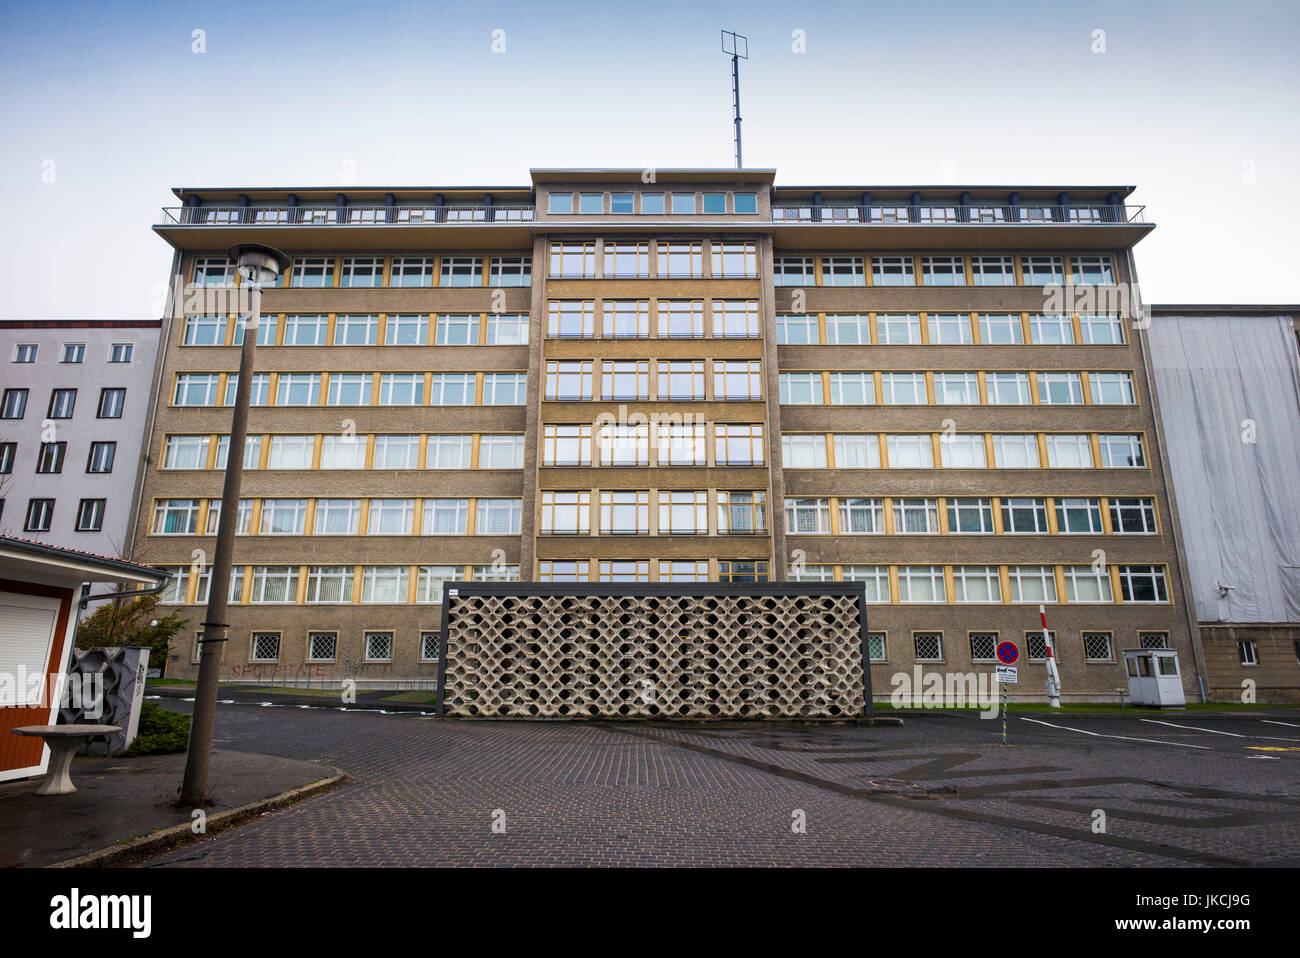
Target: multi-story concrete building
(1228, 378)
(73, 399)
(674, 376)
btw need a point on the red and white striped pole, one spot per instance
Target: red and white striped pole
(1053, 676)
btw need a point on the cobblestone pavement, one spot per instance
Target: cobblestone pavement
(940, 791)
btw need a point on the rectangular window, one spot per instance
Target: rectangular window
(204, 331)
(903, 389)
(949, 329)
(800, 389)
(794, 271)
(504, 389)
(1007, 389)
(909, 451)
(396, 452)
(738, 445)
(861, 517)
(921, 583)
(120, 352)
(566, 445)
(511, 271)
(804, 452)
(624, 380)
(843, 271)
(570, 319)
(313, 272)
(1024, 516)
(283, 517)
(1143, 583)
(343, 452)
(7, 452)
(411, 271)
(559, 204)
(252, 452)
(348, 389)
(715, 203)
(1247, 653)
(625, 513)
(1060, 389)
(1016, 451)
(680, 380)
(379, 645)
(737, 379)
(742, 570)
(258, 394)
(1132, 516)
(1083, 583)
(623, 570)
(1101, 329)
(566, 513)
(573, 260)
(568, 381)
(15, 403)
(1153, 640)
(852, 389)
(735, 319)
(1032, 583)
(407, 389)
(983, 646)
(620, 203)
(962, 451)
(591, 203)
(356, 330)
(498, 517)
(1068, 452)
(102, 455)
(1043, 270)
(50, 458)
(681, 444)
(916, 516)
(62, 403)
(559, 571)
(742, 513)
(497, 452)
(1092, 271)
(298, 389)
(680, 260)
(1122, 452)
(429, 582)
(652, 203)
(745, 203)
(183, 452)
(365, 271)
(956, 389)
(976, 584)
(844, 329)
(40, 514)
(898, 329)
(1001, 329)
(892, 271)
(337, 517)
(683, 203)
(684, 571)
(1050, 329)
(1078, 516)
(681, 319)
(993, 270)
(1112, 389)
(808, 516)
(274, 584)
(305, 330)
(970, 516)
(73, 353)
(626, 319)
(734, 260)
(290, 452)
(322, 646)
(392, 517)
(943, 271)
(449, 452)
(624, 445)
(214, 271)
(264, 647)
(457, 329)
(683, 513)
(90, 515)
(461, 271)
(506, 330)
(875, 580)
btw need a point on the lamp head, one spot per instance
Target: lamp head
(257, 263)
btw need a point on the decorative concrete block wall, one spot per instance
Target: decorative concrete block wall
(773, 651)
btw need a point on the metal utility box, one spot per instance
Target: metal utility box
(1153, 677)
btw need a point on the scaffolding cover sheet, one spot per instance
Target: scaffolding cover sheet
(1222, 381)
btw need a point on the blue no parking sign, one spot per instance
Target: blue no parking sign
(1007, 652)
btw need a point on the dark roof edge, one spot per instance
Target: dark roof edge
(87, 558)
(1227, 309)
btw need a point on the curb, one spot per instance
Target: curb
(1132, 713)
(281, 699)
(179, 834)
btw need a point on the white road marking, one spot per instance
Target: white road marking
(1211, 731)
(1287, 724)
(1126, 738)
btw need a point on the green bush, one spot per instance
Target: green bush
(160, 732)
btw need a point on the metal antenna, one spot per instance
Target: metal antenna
(738, 47)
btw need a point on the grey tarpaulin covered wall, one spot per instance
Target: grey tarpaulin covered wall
(1219, 378)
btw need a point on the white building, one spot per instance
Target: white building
(74, 395)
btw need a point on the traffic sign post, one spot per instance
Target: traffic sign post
(1006, 675)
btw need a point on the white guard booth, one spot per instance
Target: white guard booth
(1153, 677)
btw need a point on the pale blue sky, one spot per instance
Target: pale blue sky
(1195, 103)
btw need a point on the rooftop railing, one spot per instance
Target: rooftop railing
(345, 216)
(907, 214)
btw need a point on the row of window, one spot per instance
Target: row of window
(678, 512)
(74, 352)
(671, 259)
(323, 272)
(650, 203)
(732, 379)
(674, 443)
(342, 517)
(377, 645)
(63, 402)
(51, 456)
(348, 329)
(970, 515)
(944, 270)
(360, 451)
(965, 388)
(40, 515)
(1097, 645)
(963, 451)
(355, 389)
(948, 329)
(630, 319)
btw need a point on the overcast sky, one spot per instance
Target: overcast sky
(106, 106)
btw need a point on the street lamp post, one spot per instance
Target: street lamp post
(257, 265)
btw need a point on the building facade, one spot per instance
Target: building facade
(74, 396)
(672, 376)
(1228, 378)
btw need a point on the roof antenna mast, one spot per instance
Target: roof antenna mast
(738, 47)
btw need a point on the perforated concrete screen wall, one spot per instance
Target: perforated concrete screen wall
(537, 650)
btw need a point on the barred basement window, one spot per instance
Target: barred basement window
(1096, 647)
(379, 646)
(265, 647)
(983, 646)
(429, 651)
(877, 646)
(322, 646)
(1035, 647)
(1153, 640)
(927, 646)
